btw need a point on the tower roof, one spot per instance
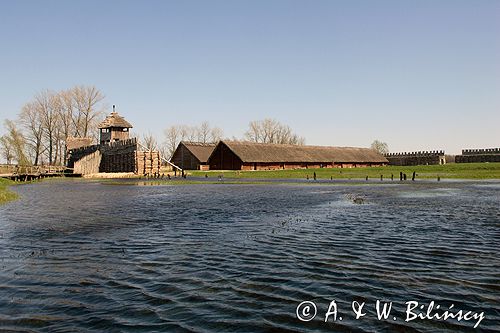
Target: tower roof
(114, 120)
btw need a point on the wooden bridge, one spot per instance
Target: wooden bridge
(28, 173)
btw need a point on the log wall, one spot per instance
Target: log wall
(478, 155)
(119, 156)
(185, 159)
(88, 164)
(416, 158)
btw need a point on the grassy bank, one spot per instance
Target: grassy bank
(454, 170)
(6, 194)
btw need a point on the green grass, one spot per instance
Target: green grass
(453, 170)
(6, 194)
(174, 182)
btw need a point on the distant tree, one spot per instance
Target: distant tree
(7, 149)
(31, 120)
(15, 139)
(380, 147)
(188, 133)
(86, 101)
(149, 142)
(272, 131)
(48, 106)
(51, 117)
(177, 133)
(216, 134)
(203, 132)
(172, 139)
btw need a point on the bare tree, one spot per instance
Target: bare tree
(272, 131)
(177, 133)
(32, 123)
(203, 132)
(86, 104)
(51, 117)
(172, 139)
(149, 142)
(380, 147)
(187, 133)
(47, 104)
(216, 134)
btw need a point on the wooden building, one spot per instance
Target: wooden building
(114, 128)
(192, 155)
(434, 157)
(479, 155)
(237, 155)
(76, 142)
(116, 151)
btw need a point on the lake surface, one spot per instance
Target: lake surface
(92, 257)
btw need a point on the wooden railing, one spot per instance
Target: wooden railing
(31, 169)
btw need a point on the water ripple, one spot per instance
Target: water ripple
(82, 256)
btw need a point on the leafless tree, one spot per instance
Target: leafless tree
(172, 139)
(51, 117)
(177, 133)
(380, 147)
(272, 131)
(149, 142)
(32, 123)
(203, 132)
(216, 134)
(48, 106)
(209, 134)
(188, 133)
(86, 101)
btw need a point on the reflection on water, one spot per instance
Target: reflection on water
(213, 258)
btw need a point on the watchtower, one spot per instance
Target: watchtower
(114, 128)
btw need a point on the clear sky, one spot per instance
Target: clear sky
(419, 75)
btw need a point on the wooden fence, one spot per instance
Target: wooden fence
(14, 169)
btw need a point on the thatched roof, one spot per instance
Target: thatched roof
(114, 120)
(76, 142)
(200, 150)
(274, 153)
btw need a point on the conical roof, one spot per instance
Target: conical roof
(114, 120)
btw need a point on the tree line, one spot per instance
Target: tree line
(39, 134)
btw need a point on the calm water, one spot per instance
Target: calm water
(83, 256)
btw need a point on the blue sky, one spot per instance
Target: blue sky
(416, 74)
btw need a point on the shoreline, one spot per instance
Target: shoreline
(447, 171)
(425, 175)
(6, 194)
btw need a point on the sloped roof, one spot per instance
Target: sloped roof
(200, 150)
(264, 152)
(114, 120)
(77, 142)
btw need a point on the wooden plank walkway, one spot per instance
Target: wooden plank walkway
(28, 173)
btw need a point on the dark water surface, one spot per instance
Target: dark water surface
(85, 256)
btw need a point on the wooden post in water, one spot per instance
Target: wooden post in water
(413, 176)
(381, 177)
